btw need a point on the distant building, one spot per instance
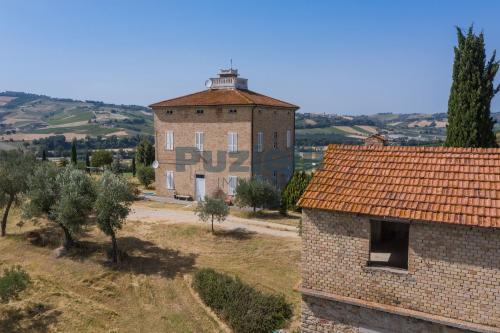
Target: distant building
(402, 239)
(376, 140)
(207, 140)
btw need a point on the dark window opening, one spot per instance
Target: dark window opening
(389, 244)
(232, 110)
(170, 111)
(275, 141)
(200, 111)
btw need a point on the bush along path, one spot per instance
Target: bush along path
(241, 306)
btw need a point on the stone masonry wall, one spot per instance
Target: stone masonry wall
(319, 315)
(453, 271)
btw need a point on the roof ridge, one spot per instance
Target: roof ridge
(276, 99)
(416, 149)
(245, 97)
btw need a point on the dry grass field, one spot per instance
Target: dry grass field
(146, 292)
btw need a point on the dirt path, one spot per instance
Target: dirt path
(140, 211)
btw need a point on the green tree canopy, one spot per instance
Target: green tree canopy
(15, 168)
(256, 193)
(469, 120)
(145, 152)
(112, 206)
(212, 209)
(294, 189)
(145, 175)
(101, 158)
(75, 202)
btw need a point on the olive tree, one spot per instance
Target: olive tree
(75, 202)
(212, 209)
(65, 197)
(112, 206)
(15, 167)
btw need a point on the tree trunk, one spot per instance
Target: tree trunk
(6, 214)
(213, 224)
(68, 240)
(114, 251)
(254, 208)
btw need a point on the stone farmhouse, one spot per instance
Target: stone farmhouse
(402, 239)
(207, 140)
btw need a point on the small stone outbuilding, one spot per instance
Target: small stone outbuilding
(402, 239)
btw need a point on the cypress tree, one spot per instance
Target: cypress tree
(133, 166)
(87, 159)
(44, 155)
(73, 152)
(469, 120)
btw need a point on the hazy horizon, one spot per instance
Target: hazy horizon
(330, 57)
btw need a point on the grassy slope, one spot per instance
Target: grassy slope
(36, 113)
(146, 293)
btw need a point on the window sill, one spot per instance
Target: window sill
(387, 269)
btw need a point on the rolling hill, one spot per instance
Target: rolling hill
(26, 116)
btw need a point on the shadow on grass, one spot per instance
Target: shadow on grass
(34, 318)
(138, 256)
(237, 234)
(268, 215)
(46, 236)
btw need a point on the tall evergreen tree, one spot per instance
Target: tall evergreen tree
(133, 167)
(469, 120)
(73, 152)
(145, 152)
(44, 155)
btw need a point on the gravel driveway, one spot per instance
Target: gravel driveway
(141, 212)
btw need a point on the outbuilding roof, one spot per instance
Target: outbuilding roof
(435, 184)
(212, 97)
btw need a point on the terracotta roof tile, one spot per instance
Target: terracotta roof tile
(213, 97)
(435, 184)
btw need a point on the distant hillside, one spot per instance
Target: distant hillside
(29, 116)
(403, 129)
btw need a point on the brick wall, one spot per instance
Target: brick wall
(268, 121)
(454, 271)
(215, 122)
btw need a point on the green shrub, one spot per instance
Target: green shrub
(146, 175)
(12, 282)
(244, 308)
(255, 193)
(294, 190)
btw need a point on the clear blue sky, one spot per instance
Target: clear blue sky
(348, 57)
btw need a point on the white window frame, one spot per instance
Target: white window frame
(169, 179)
(199, 140)
(260, 141)
(288, 138)
(169, 140)
(232, 182)
(232, 142)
